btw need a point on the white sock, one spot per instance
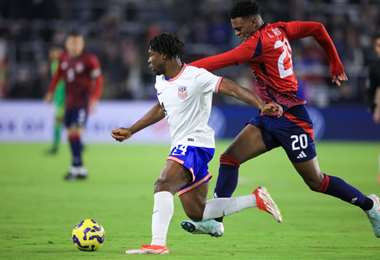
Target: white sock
(220, 207)
(162, 214)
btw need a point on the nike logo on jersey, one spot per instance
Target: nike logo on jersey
(159, 93)
(302, 155)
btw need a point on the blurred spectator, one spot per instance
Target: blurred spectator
(118, 31)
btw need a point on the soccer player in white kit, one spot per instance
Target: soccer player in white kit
(185, 98)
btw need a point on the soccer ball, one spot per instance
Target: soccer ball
(88, 235)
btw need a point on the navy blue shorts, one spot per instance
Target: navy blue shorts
(75, 117)
(195, 160)
(293, 132)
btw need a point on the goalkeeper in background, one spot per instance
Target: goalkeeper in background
(58, 100)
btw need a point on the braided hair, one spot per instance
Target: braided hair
(167, 44)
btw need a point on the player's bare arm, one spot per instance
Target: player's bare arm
(230, 88)
(155, 114)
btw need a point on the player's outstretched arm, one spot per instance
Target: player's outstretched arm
(238, 55)
(230, 88)
(155, 114)
(301, 29)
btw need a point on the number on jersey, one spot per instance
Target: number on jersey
(299, 141)
(284, 62)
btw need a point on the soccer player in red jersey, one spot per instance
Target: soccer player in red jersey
(81, 73)
(265, 47)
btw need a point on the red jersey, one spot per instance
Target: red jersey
(269, 55)
(83, 79)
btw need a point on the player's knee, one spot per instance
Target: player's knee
(228, 159)
(73, 135)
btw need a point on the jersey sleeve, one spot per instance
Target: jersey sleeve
(207, 82)
(94, 64)
(96, 75)
(240, 54)
(301, 29)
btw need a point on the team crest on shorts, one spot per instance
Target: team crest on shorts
(182, 92)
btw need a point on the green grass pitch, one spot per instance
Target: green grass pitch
(38, 209)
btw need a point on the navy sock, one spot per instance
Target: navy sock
(337, 187)
(227, 181)
(76, 150)
(227, 178)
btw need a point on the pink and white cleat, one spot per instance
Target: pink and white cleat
(265, 202)
(149, 250)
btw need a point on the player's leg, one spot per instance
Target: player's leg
(248, 144)
(194, 203)
(58, 126)
(172, 178)
(77, 170)
(296, 136)
(74, 121)
(197, 208)
(202, 213)
(337, 187)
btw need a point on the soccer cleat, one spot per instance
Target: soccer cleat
(265, 202)
(374, 214)
(52, 151)
(76, 173)
(149, 249)
(210, 227)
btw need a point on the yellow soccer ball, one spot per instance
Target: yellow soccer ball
(88, 235)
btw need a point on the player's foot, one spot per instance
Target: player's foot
(149, 249)
(76, 173)
(210, 227)
(374, 214)
(265, 202)
(52, 151)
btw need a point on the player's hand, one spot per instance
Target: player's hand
(338, 79)
(48, 97)
(272, 109)
(121, 134)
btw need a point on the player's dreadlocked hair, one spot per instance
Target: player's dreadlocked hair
(244, 9)
(167, 44)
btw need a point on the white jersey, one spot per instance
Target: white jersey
(187, 101)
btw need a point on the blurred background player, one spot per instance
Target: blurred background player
(59, 100)
(374, 86)
(265, 47)
(184, 96)
(81, 73)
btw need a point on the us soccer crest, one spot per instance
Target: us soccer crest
(182, 92)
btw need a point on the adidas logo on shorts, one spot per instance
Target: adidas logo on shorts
(302, 155)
